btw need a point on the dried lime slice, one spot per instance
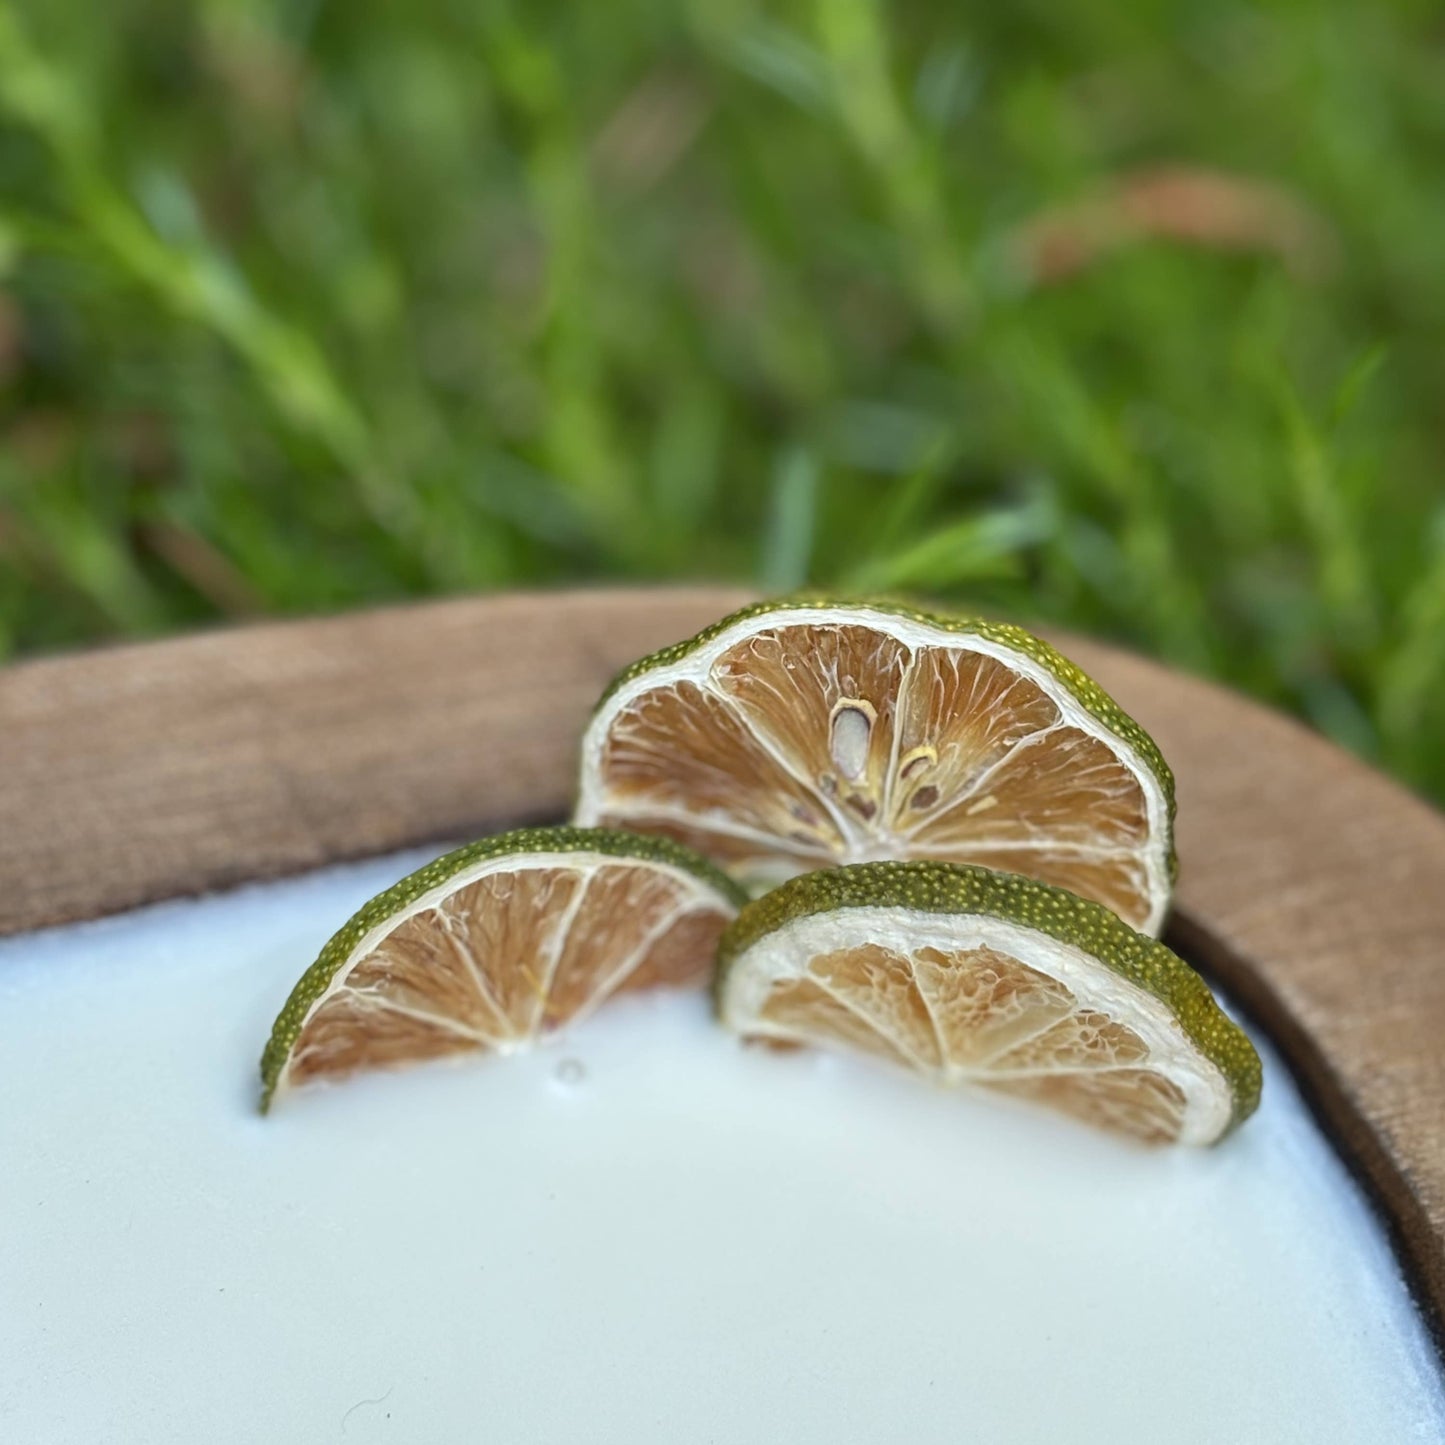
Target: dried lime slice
(971, 977)
(806, 734)
(496, 945)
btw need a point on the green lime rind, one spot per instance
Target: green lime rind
(519, 843)
(959, 888)
(1085, 691)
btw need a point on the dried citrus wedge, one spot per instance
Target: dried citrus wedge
(968, 976)
(800, 735)
(495, 945)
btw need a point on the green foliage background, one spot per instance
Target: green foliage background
(307, 305)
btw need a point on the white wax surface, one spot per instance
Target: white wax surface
(692, 1242)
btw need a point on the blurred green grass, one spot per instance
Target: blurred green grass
(309, 305)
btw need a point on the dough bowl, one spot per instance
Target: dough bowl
(650, 1233)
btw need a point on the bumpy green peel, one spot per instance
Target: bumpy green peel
(930, 887)
(522, 841)
(1085, 691)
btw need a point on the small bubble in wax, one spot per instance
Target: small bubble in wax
(570, 1072)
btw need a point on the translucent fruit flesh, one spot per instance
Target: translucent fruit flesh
(953, 1017)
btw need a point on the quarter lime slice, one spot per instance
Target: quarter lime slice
(496, 945)
(971, 977)
(807, 734)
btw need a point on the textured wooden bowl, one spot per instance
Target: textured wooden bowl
(1312, 888)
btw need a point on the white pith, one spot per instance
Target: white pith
(697, 893)
(864, 845)
(784, 955)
